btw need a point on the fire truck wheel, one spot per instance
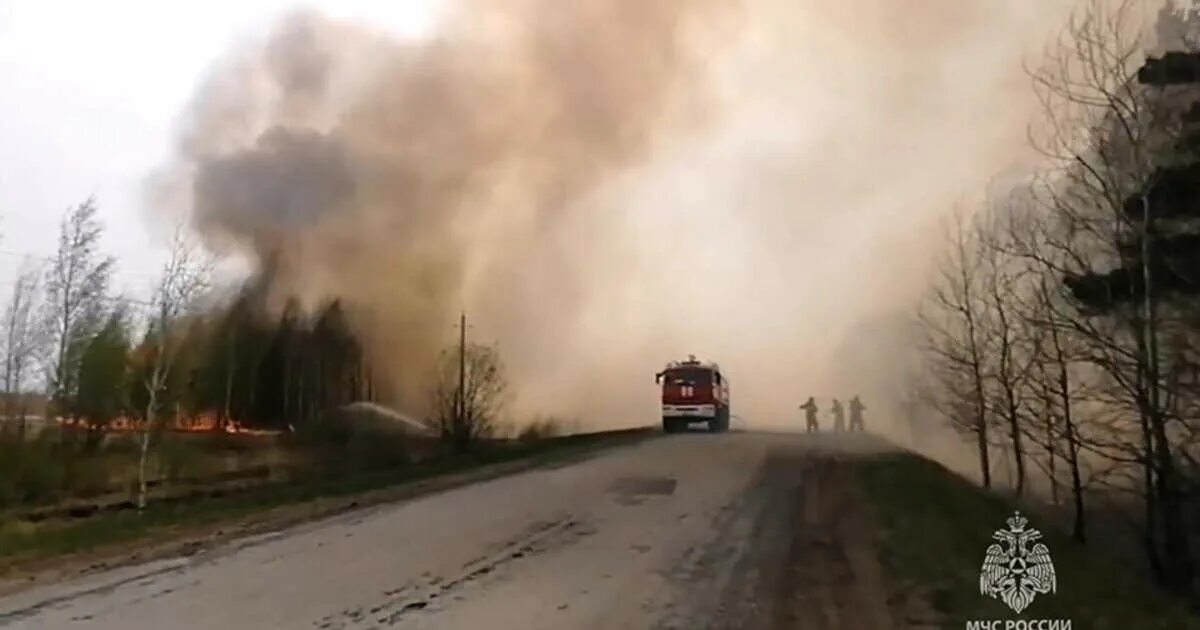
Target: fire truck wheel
(670, 426)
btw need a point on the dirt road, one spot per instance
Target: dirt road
(742, 530)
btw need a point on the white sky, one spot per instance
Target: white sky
(90, 92)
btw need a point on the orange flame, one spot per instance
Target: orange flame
(201, 423)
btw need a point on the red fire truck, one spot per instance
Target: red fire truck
(693, 392)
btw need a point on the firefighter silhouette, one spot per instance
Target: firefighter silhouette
(810, 415)
(839, 416)
(856, 415)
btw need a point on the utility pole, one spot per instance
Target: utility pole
(461, 407)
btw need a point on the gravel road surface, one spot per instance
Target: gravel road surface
(740, 530)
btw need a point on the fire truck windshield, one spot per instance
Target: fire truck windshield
(694, 377)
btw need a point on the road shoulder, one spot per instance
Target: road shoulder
(934, 528)
(236, 522)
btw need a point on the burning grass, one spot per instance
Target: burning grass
(69, 466)
(201, 423)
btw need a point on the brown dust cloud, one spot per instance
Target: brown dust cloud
(606, 185)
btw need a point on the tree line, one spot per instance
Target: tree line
(181, 355)
(1061, 331)
(196, 356)
(103, 358)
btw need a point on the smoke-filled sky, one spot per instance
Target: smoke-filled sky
(90, 98)
(603, 185)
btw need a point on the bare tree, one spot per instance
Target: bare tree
(951, 316)
(183, 280)
(466, 414)
(75, 286)
(1056, 329)
(1055, 357)
(1111, 139)
(23, 338)
(1009, 341)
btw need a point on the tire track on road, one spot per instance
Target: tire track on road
(432, 593)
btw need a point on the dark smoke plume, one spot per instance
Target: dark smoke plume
(415, 179)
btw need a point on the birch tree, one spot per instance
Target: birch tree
(182, 281)
(76, 283)
(23, 338)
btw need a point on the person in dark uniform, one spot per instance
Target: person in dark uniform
(856, 415)
(810, 415)
(839, 416)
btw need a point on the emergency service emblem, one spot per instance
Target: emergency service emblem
(1014, 572)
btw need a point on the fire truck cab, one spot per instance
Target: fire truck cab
(693, 392)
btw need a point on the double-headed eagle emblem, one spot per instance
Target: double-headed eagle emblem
(1013, 572)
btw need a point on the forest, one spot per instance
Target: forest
(234, 363)
(109, 396)
(1060, 333)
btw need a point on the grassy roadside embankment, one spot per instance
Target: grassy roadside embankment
(109, 539)
(934, 529)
